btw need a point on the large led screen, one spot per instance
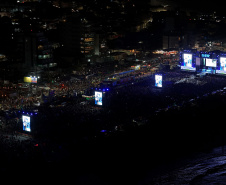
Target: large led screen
(222, 63)
(222, 67)
(33, 80)
(211, 62)
(98, 98)
(187, 60)
(158, 80)
(30, 79)
(26, 123)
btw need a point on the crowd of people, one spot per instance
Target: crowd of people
(66, 119)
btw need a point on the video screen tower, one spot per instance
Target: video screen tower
(158, 80)
(98, 98)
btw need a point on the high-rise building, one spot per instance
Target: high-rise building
(78, 39)
(90, 45)
(35, 52)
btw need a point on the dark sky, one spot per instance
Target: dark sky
(202, 5)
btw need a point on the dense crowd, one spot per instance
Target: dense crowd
(65, 122)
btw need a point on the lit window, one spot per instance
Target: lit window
(40, 47)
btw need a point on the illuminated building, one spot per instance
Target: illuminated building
(78, 40)
(89, 45)
(34, 51)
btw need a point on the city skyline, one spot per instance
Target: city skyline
(113, 91)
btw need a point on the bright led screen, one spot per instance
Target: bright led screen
(98, 98)
(222, 66)
(211, 62)
(158, 80)
(222, 63)
(26, 123)
(33, 80)
(30, 79)
(187, 60)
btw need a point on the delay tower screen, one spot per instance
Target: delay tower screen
(26, 123)
(98, 98)
(158, 80)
